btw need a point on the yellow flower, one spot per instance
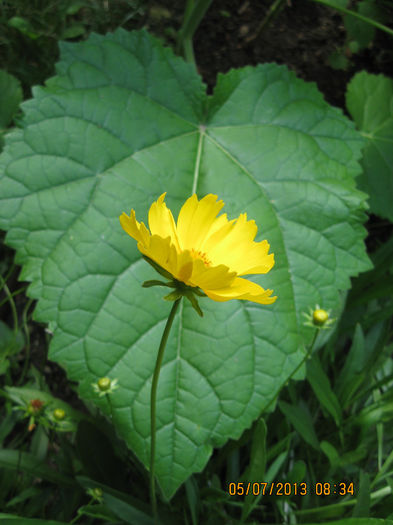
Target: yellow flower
(203, 250)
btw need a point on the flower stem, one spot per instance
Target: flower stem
(153, 397)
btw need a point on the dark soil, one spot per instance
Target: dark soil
(302, 35)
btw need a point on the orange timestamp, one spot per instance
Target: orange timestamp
(279, 488)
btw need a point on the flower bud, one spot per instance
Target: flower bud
(35, 407)
(97, 492)
(59, 414)
(104, 384)
(320, 317)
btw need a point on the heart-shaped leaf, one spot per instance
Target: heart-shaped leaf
(124, 121)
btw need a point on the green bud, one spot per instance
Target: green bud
(59, 414)
(97, 492)
(104, 384)
(320, 317)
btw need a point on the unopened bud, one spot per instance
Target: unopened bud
(59, 414)
(104, 384)
(320, 317)
(35, 406)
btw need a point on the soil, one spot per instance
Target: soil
(302, 35)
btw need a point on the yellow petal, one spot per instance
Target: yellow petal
(185, 266)
(211, 277)
(161, 221)
(242, 289)
(162, 252)
(258, 259)
(138, 231)
(196, 218)
(235, 245)
(185, 272)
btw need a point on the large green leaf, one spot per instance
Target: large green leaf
(370, 102)
(124, 121)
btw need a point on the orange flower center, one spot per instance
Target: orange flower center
(201, 255)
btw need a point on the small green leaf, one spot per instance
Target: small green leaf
(362, 507)
(358, 30)
(301, 420)
(10, 98)
(337, 60)
(127, 512)
(193, 498)
(10, 343)
(75, 7)
(369, 100)
(24, 495)
(331, 452)
(353, 372)
(298, 472)
(321, 386)
(256, 469)
(153, 282)
(24, 26)
(73, 31)
(273, 470)
(194, 303)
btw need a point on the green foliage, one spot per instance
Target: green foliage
(30, 30)
(361, 23)
(370, 102)
(10, 98)
(359, 33)
(333, 427)
(122, 122)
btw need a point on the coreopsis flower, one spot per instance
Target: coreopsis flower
(202, 251)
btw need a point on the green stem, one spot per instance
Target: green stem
(153, 397)
(27, 345)
(273, 10)
(12, 305)
(193, 16)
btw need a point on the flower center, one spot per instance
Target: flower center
(200, 255)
